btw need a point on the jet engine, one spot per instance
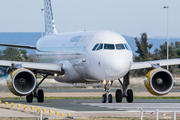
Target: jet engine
(159, 81)
(21, 82)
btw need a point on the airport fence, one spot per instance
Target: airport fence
(159, 114)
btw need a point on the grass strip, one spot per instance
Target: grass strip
(156, 97)
(78, 98)
(51, 98)
(15, 98)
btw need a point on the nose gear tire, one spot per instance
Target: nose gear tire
(110, 98)
(104, 97)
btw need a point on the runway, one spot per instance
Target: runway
(93, 108)
(96, 105)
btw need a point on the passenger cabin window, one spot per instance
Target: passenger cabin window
(95, 47)
(100, 47)
(109, 46)
(120, 46)
(127, 46)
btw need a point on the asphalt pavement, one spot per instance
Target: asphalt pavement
(96, 105)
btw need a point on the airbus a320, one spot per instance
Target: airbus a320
(83, 57)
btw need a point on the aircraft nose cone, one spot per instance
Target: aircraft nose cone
(117, 66)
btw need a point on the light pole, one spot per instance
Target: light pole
(167, 36)
(42, 22)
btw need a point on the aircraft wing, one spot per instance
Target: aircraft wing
(149, 64)
(19, 46)
(39, 67)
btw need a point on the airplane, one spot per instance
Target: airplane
(83, 57)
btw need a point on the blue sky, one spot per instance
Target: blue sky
(127, 17)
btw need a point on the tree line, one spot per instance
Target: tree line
(14, 54)
(144, 54)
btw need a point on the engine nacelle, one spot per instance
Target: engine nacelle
(21, 82)
(159, 81)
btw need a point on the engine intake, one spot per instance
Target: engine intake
(159, 81)
(21, 82)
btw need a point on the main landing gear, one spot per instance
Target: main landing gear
(127, 93)
(37, 94)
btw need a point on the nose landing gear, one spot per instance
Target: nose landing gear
(107, 96)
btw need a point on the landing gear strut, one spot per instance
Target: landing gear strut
(107, 96)
(37, 94)
(127, 93)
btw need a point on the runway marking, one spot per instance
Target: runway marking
(135, 106)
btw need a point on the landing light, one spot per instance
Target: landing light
(109, 82)
(55, 74)
(104, 82)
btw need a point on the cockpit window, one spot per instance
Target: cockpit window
(127, 46)
(109, 46)
(95, 47)
(120, 46)
(100, 47)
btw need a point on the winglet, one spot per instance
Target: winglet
(49, 21)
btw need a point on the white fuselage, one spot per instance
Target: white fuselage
(111, 59)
